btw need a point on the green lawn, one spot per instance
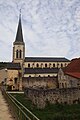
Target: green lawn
(52, 112)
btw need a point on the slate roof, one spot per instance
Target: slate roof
(10, 65)
(19, 35)
(40, 70)
(46, 59)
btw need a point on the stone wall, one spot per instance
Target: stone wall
(8, 77)
(40, 82)
(40, 97)
(3, 75)
(67, 81)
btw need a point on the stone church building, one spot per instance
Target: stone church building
(29, 71)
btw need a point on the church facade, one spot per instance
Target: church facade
(22, 69)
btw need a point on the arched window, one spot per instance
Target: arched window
(20, 52)
(53, 65)
(16, 53)
(62, 85)
(57, 65)
(45, 65)
(37, 65)
(15, 80)
(28, 65)
(61, 65)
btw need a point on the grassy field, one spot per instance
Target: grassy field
(52, 112)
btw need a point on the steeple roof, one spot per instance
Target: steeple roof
(19, 35)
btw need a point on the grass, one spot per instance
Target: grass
(52, 111)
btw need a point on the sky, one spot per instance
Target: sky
(50, 27)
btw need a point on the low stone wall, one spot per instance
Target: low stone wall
(40, 97)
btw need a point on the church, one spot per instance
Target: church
(29, 71)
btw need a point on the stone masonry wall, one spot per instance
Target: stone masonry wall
(40, 97)
(40, 82)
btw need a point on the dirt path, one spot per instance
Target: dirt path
(4, 110)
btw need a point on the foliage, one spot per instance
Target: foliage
(52, 111)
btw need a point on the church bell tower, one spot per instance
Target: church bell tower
(19, 45)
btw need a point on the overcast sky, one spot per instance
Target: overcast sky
(50, 27)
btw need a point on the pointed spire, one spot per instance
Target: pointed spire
(19, 35)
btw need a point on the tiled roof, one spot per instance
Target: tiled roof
(74, 66)
(40, 70)
(10, 65)
(73, 69)
(74, 74)
(46, 59)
